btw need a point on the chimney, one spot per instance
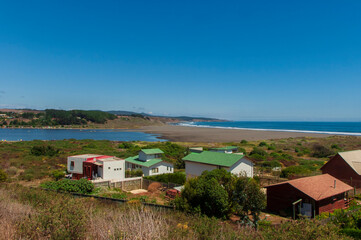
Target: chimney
(334, 185)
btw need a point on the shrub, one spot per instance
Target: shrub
(271, 147)
(126, 145)
(262, 144)
(206, 195)
(354, 233)
(244, 141)
(78, 186)
(242, 150)
(44, 151)
(320, 151)
(3, 176)
(259, 152)
(218, 193)
(58, 174)
(335, 146)
(134, 173)
(177, 177)
(294, 170)
(258, 157)
(271, 164)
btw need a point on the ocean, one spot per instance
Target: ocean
(23, 134)
(339, 128)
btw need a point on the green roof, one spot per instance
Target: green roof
(214, 158)
(148, 163)
(152, 151)
(225, 148)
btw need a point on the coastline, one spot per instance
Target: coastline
(202, 134)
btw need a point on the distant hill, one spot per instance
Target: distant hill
(179, 118)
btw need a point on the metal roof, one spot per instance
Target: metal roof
(214, 158)
(152, 151)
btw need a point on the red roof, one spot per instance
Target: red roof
(318, 187)
(93, 159)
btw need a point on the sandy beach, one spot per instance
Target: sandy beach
(197, 134)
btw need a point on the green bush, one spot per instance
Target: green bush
(354, 233)
(335, 146)
(177, 177)
(259, 152)
(258, 157)
(295, 171)
(219, 193)
(134, 173)
(58, 174)
(271, 147)
(320, 151)
(77, 186)
(44, 151)
(3, 176)
(271, 164)
(262, 144)
(244, 141)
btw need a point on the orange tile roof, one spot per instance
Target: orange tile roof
(318, 187)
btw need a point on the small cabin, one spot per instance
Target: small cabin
(308, 196)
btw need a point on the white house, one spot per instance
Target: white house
(238, 164)
(94, 166)
(150, 162)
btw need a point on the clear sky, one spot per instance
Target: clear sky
(239, 60)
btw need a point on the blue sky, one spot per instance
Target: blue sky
(239, 60)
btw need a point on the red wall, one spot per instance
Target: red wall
(338, 168)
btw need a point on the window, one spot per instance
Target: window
(108, 167)
(155, 170)
(167, 168)
(71, 165)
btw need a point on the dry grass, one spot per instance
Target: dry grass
(128, 223)
(11, 213)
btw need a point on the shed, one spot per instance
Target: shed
(316, 194)
(345, 166)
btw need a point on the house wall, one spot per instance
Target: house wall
(243, 166)
(195, 169)
(281, 197)
(163, 167)
(114, 170)
(340, 169)
(332, 203)
(78, 165)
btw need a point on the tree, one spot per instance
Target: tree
(219, 193)
(249, 200)
(205, 195)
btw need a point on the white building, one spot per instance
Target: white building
(150, 162)
(93, 167)
(238, 164)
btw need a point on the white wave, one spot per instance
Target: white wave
(192, 124)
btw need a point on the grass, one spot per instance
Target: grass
(37, 214)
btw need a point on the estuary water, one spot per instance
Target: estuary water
(22, 134)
